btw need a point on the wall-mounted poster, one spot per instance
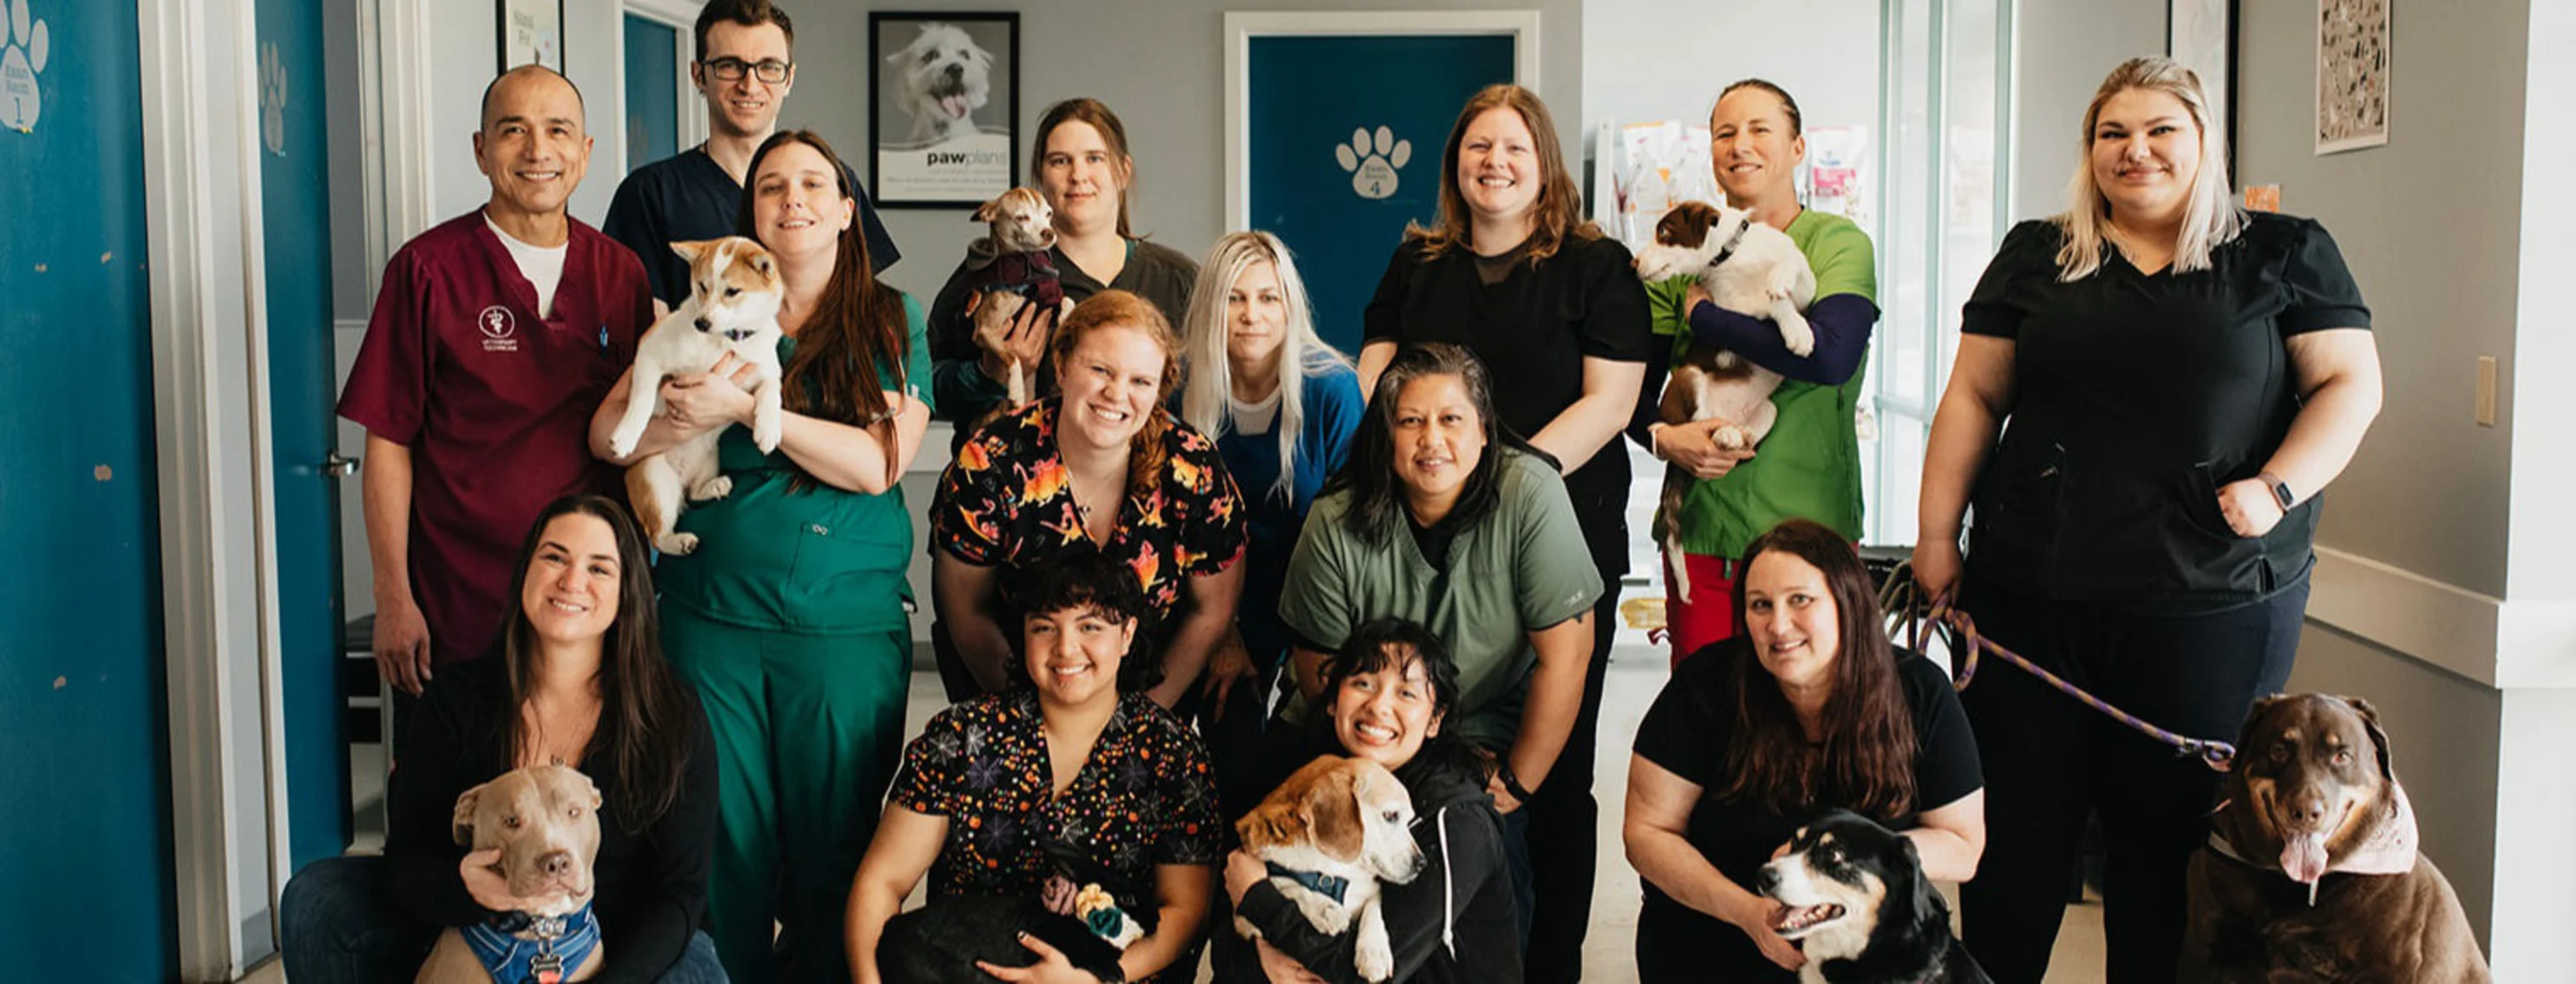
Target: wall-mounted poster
(947, 107)
(532, 33)
(2352, 74)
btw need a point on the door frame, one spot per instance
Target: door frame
(1242, 26)
(217, 523)
(683, 16)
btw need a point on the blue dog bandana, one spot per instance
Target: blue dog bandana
(1317, 882)
(560, 946)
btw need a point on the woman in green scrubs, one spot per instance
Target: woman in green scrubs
(789, 617)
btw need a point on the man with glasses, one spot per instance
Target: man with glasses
(745, 67)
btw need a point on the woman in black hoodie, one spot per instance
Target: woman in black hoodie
(1387, 694)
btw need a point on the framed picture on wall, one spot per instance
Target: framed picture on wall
(2201, 34)
(2352, 74)
(945, 120)
(532, 33)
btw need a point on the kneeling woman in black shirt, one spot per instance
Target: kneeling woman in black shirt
(1388, 695)
(1810, 710)
(578, 680)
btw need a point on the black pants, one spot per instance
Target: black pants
(1564, 829)
(2049, 761)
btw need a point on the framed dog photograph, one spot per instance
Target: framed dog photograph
(946, 116)
(532, 33)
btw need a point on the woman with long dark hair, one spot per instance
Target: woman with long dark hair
(1389, 697)
(1445, 518)
(789, 617)
(580, 681)
(1810, 709)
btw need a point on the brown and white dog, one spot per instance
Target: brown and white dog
(1750, 269)
(545, 821)
(2311, 872)
(1329, 834)
(1020, 273)
(734, 294)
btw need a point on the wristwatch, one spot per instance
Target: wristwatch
(1511, 781)
(2280, 490)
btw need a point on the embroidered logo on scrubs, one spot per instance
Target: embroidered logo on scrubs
(500, 329)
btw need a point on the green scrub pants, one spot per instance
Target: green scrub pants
(808, 732)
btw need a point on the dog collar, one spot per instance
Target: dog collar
(1728, 248)
(552, 947)
(1319, 883)
(2390, 850)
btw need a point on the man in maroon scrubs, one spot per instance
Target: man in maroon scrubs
(494, 337)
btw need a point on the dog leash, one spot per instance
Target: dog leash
(1918, 617)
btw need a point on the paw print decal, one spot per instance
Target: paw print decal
(272, 99)
(1373, 160)
(22, 55)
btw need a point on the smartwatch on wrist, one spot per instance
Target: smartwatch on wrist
(1511, 781)
(2280, 490)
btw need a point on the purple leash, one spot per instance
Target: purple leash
(2218, 755)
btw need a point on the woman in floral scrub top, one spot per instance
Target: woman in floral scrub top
(1070, 772)
(1103, 469)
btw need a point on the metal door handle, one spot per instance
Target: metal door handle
(339, 465)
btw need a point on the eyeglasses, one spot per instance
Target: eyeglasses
(771, 71)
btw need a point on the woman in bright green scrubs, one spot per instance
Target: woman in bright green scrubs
(789, 616)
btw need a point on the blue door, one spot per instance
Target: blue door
(1346, 135)
(295, 215)
(652, 91)
(85, 855)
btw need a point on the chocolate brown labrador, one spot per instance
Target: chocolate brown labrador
(2311, 873)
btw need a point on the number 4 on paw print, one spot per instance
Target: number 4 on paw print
(1373, 159)
(22, 55)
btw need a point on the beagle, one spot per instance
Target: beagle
(1328, 835)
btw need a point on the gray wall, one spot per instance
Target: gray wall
(2431, 226)
(2063, 49)
(1159, 63)
(1654, 61)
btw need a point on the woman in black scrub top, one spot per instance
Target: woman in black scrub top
(2182, 378)
(1512, 272)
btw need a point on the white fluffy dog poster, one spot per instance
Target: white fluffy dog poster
(947, 101)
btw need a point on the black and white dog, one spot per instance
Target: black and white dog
(1858, 905)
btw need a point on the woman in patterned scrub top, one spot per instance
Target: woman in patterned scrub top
(1073, 761)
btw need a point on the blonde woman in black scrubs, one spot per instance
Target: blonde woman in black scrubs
(2182, 379)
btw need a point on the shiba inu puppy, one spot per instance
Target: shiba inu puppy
(734, 294)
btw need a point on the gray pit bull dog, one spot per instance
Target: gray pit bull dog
(545, 821)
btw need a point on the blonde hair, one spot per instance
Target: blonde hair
(1204, 332)
(1120, 309)
(2210, 215)
(1557, 213)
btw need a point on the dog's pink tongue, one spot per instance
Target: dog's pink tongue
(955, 105)
(2303, 858)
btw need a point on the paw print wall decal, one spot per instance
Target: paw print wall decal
(272, 99)
(1373, 160)
(22, 55)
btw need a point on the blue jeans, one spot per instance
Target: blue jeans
(341, 927)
